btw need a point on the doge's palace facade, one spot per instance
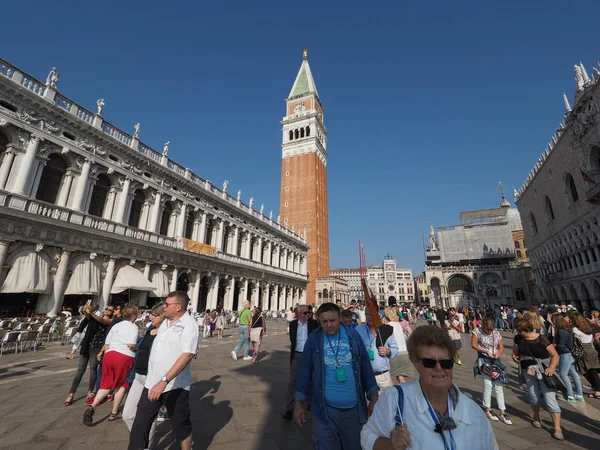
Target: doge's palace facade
(87, 211)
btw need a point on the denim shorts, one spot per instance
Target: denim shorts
(536, 389)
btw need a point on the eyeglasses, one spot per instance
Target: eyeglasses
(306, 313)
(168, 304)
(430, 363)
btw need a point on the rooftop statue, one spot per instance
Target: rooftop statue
(100, 103)
(136, 127)
(52, 78)
(239, 196)
(166, 148)
(225, 184)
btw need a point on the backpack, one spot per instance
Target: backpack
(398, 417)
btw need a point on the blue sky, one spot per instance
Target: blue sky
(428, 105)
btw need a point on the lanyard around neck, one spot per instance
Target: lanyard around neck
(447, 445)
(335, 354)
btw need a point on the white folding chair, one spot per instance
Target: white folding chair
(10, 339)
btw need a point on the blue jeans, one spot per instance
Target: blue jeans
(566, 367)
(536, 389)
(342, 430)
(244, 340)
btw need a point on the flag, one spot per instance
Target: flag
(586, 177)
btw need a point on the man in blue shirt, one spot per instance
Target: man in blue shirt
(381, 347)
(336, 370)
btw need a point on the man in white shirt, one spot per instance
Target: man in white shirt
(169, 377)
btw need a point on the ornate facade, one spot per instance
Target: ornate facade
(89, 211)
(303, 205)
(475, 263)
(560, 203)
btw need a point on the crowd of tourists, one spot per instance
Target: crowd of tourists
(367, 385)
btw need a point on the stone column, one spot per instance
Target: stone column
(182, 220)
(155, 217)
(202, 236)
(144, 295)
(123, 198)
(60, 278)
(82, 183)
(255, 294)
(267, 300)
(213, 292)
(65, 189)
(277, 305)
(3, 251)
(236, 237)
(196, 292)
(26, 165)
(220, 235)
(108, 282)
(288, 297)
(276, 255)
(7, 162)
(110, 204)
(244, 296)
(303, 296)
(174, 278)
(228, 304)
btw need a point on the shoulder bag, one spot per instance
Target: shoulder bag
(553, 382)
(255, 332)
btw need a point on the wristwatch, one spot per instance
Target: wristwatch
(165, 379)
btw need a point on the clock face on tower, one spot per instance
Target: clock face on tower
(391, 287)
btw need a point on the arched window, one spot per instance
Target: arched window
(325, 293)
(291, 135)
(517, 245)
(533, 223)
(99, 194)
(572, 193)
(307, 131)
(518, 254)
(595, 158)
(165, 218)
(296, 134)
(549, 209)
(301, 132)
(137, 203)
(189, 225)
(51, 179)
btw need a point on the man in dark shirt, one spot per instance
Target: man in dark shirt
(441, 315)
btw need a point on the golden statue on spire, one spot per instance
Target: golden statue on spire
(305, 54)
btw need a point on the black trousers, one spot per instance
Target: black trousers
(82, 364)
(177, 403)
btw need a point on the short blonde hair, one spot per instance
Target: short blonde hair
(391, 314)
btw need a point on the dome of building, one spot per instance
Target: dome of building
(514, 219)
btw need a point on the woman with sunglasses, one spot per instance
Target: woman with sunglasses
(431, 411)
(137, 376)
(533, 351)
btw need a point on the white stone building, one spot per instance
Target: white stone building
(474, 263)
(89, 211)
(560, 203)
(387, 282)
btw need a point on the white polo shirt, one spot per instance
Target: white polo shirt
(170, 342)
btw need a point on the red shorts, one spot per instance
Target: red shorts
(115, 367)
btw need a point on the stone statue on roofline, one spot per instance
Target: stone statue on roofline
(136, 127)
(278, 219)
(262, 208)
(52, 78)
(100, 103)
(225, 184)
(578, 77)
(166, 148)
(239, 196)
(251, 202)
(271, 215)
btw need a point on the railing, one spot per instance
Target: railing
(85, 115)
(7, 71)
(63, 103)
(97, 223)
(33, 85)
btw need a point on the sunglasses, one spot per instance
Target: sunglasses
(430, 363)
(306, 313)
(111, 310)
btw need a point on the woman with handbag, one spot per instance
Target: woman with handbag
(564, 346)
(257, 329)
(588, 364)
(538, 360)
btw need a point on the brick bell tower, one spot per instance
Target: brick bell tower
(304, 173)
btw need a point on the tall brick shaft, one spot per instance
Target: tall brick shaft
(304, 206)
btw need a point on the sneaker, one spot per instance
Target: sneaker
(571, 399)
(247, 358)
(504, 418)
(579, 398)
(110, 397)
(459, 362)
(90, 399)
(233, 356)
(162, 415)
(490, 415)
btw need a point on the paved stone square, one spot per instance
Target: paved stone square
(234, 405)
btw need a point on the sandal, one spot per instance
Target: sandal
(558, 436)
(69, 401)
(536, 424)
(592, 395)
(115, 416)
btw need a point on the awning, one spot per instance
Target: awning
(85, 279)
(161, 284)
(130, 278)
(29, 273)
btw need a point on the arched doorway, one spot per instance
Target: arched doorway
(137, 203)
(183, 283)
(203, 300)
(585, 297)
(189, 225)
(165, 218)
(325, 294)
(221, 294)
(596, 294)
(99, 195)
(392, 300)
(436, 291)
(573, 299)
(236, 296)
(460, 289)
(51, 179)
